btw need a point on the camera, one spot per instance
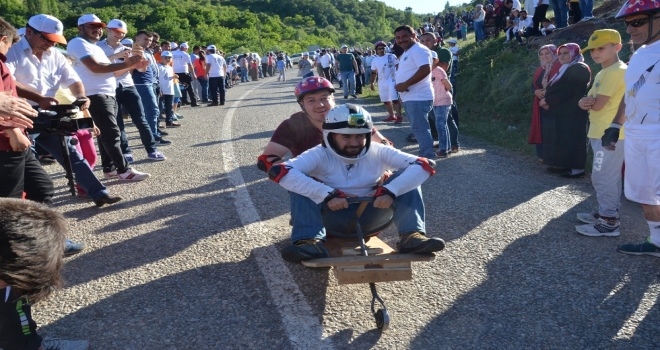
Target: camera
(356, 120)
(61, 119)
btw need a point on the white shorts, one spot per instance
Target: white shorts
(387, 93)
(642, 180)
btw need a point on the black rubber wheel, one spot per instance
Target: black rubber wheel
(382, 319)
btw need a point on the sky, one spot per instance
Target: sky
(422, 6)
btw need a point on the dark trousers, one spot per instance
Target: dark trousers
(186, 79)
(539, 15)
(21, 172)
(103, 109)
(264, 69)
(576, 13)
(326, 73)
(129, 99)
(168, 101)
(217, 87)
(270, 71)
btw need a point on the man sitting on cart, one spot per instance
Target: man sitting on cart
(347, 164)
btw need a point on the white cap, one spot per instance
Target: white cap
(127, 41)
(452, 41)
(166, 54)
(305, 53)
(89, 18)
(173, 45)
(344, 47)
(184, 45)
(21, 31)
(118, 25)
(210, 47)
(480, 6)
(50, 27)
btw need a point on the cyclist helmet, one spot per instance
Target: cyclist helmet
(312, 84)
(347, 119)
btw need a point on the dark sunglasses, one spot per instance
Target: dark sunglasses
(42, 36)
(636, 23)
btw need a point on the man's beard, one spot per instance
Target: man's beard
(351, 152)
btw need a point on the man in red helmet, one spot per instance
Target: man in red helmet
(303, 130)
(640, 110)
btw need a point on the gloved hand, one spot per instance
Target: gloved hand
(611, 136)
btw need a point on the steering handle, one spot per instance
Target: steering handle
(353, 200)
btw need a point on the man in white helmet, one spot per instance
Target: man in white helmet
(348, 164)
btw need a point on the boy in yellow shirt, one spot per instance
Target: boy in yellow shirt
(602, 103)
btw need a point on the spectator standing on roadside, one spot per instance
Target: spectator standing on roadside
(413, 82)
(243, 63)
(281, 67)
(186, 72)
(216, 68)
(539, 14)
(347, 69)
(383, 70)
(271, 64)
(197, 87)
(200, 72)
(602, 102)
(264, 66)
(574, 11)
(442, 101)
(586, 9)
(166, 79)
(544, 73)
(560, 8)
(639, 110)
(565, 136)
(127, 95)
(305, 66)
(479, 26)
(368, 58)
(97, 75)
(324, 61)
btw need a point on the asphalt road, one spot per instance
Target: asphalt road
(189, 259)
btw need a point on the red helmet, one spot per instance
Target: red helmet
(380, 43)
(632, 7)
(312, 84)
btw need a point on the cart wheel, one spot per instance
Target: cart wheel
(382, 319)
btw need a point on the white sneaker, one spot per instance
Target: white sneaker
(133, 175)
(111, 174)
(607, 228)
(59, 344)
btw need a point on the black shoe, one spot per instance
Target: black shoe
(163, 142)
(222, 103)
(213, 104)
(195, 105)
(411, 138)
(304, 250)
(556, 170)
(163, 132)
(353, 96)
(417, 243)
(47, 159)
(569, 175)
(106, 199)
(345, 97)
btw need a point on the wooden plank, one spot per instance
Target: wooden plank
(351, 275)
(340, 246)
(362, 260)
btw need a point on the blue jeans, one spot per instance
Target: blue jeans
(561, 12)
(479, 30)
(151, 110)
(307, 217)
(244, 74)
(128, 97)
(441, 113)
(587, 8)
(82, 172)
(348, 77)
(367, 75)
(205, 89)
(168, 101)
(417, 113)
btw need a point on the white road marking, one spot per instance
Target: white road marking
(301, 326)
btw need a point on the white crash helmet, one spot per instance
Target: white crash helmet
(347, 119)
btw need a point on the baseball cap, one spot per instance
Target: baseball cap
(344, 47)
(20, 31)
(602, 37)
(452, 41)
(184, 45)
(127, 41)
(211, 47)
(50, 27)
(118, 25)
(173, 45)
(305, 53)
(89, 18)
(166, 54)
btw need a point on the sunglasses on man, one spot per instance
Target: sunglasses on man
(40, 35)
(638, 22)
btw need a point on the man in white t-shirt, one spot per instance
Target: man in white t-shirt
(97, 74)
(184, 69)
(413, 82)
(383, 67)
(216, 70)
(325, 61)
(639, 110)
(127, 95)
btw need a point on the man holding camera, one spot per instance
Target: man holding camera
(39, 71)
(97, 74)
(127, 95)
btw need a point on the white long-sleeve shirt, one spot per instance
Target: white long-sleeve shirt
(524, 23)
(358, 179)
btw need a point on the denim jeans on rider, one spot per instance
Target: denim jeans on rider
(307, 218)
(81, 171)
(348, 76)
(417, 113)
(441, 113)
(151, 110)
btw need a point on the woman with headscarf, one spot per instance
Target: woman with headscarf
(565, 132)
(544, 73)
